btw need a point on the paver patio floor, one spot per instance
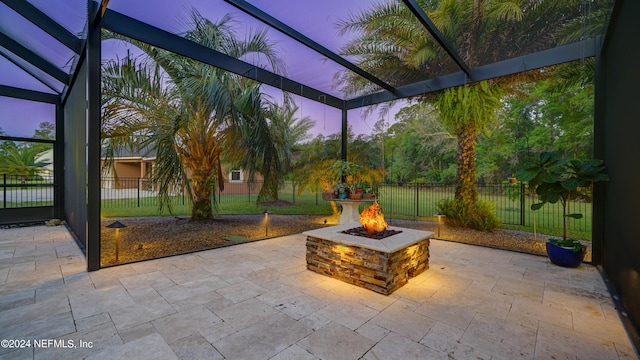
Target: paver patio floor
(258, 301)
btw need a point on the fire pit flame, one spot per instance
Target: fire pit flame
(372, 219)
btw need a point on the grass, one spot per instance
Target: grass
(400, 203)
(397, 203)
(24, 204)
(229, 205)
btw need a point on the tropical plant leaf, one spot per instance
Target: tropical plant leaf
(526, 174)
(571, 184)
(537, 206)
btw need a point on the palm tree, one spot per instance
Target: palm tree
(23, 160)
(393, 45)
(283, 133)
(465, 112)
(187, 111)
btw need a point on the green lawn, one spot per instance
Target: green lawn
(229, 204)
(405, 202)
(400, 202)
(24, 204)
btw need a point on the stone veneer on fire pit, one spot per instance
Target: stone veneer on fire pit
(379, 265)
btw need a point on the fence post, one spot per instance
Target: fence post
(138, 192)
(417, 202)
(4, 190)
(522, 203)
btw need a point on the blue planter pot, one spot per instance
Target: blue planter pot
(565, 257)
(342, 195)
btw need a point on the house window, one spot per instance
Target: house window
(235, 176)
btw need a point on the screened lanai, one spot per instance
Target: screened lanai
(50, 70)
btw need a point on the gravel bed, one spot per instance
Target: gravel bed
(152, 237)
(512, 240)
(157, 236)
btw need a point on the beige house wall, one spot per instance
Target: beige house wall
(129, 170)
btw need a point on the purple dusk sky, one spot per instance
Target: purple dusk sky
(315, 19)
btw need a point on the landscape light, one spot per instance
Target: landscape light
(266, 213)
(116, 225)
(439, 215)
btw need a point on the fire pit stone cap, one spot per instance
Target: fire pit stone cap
(390, 244)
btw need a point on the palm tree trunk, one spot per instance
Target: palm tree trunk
(334, 208)
(466, 190)
(202, 190)
(269, 189)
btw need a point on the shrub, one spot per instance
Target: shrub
(480, 216)
(511, 191)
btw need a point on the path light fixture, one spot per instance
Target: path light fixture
(439, 215)
(266, 213)
(117, 225)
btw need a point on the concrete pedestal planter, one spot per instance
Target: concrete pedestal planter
(327, 195)
(565, 256)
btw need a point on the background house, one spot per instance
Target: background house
(132, 167)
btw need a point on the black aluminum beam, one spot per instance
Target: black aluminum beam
(99, 8)
(58, 165)
(75, 69)
(417, 88)
(93, 58)
(558, 55)
(297, 36)
(345, 136)
(433, 30)
(24, 94)
(599, 152)
(35, 140)
(29, 71)
(138, 30)
(31, 57)
(44, 22)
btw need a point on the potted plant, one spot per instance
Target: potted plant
(327, 191)
(367, 194)
(355, 193)
(345, 173)
(344, 168)
(340, 190)
(562, 180)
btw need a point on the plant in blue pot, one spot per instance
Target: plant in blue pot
(563, 180)
(340, 190)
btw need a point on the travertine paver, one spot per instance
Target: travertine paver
(334, 341)
(258, 301)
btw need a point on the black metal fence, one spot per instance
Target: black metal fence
(20, 191)
(512, 202)
(140, 192)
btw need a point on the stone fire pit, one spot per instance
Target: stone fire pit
(380, 265)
